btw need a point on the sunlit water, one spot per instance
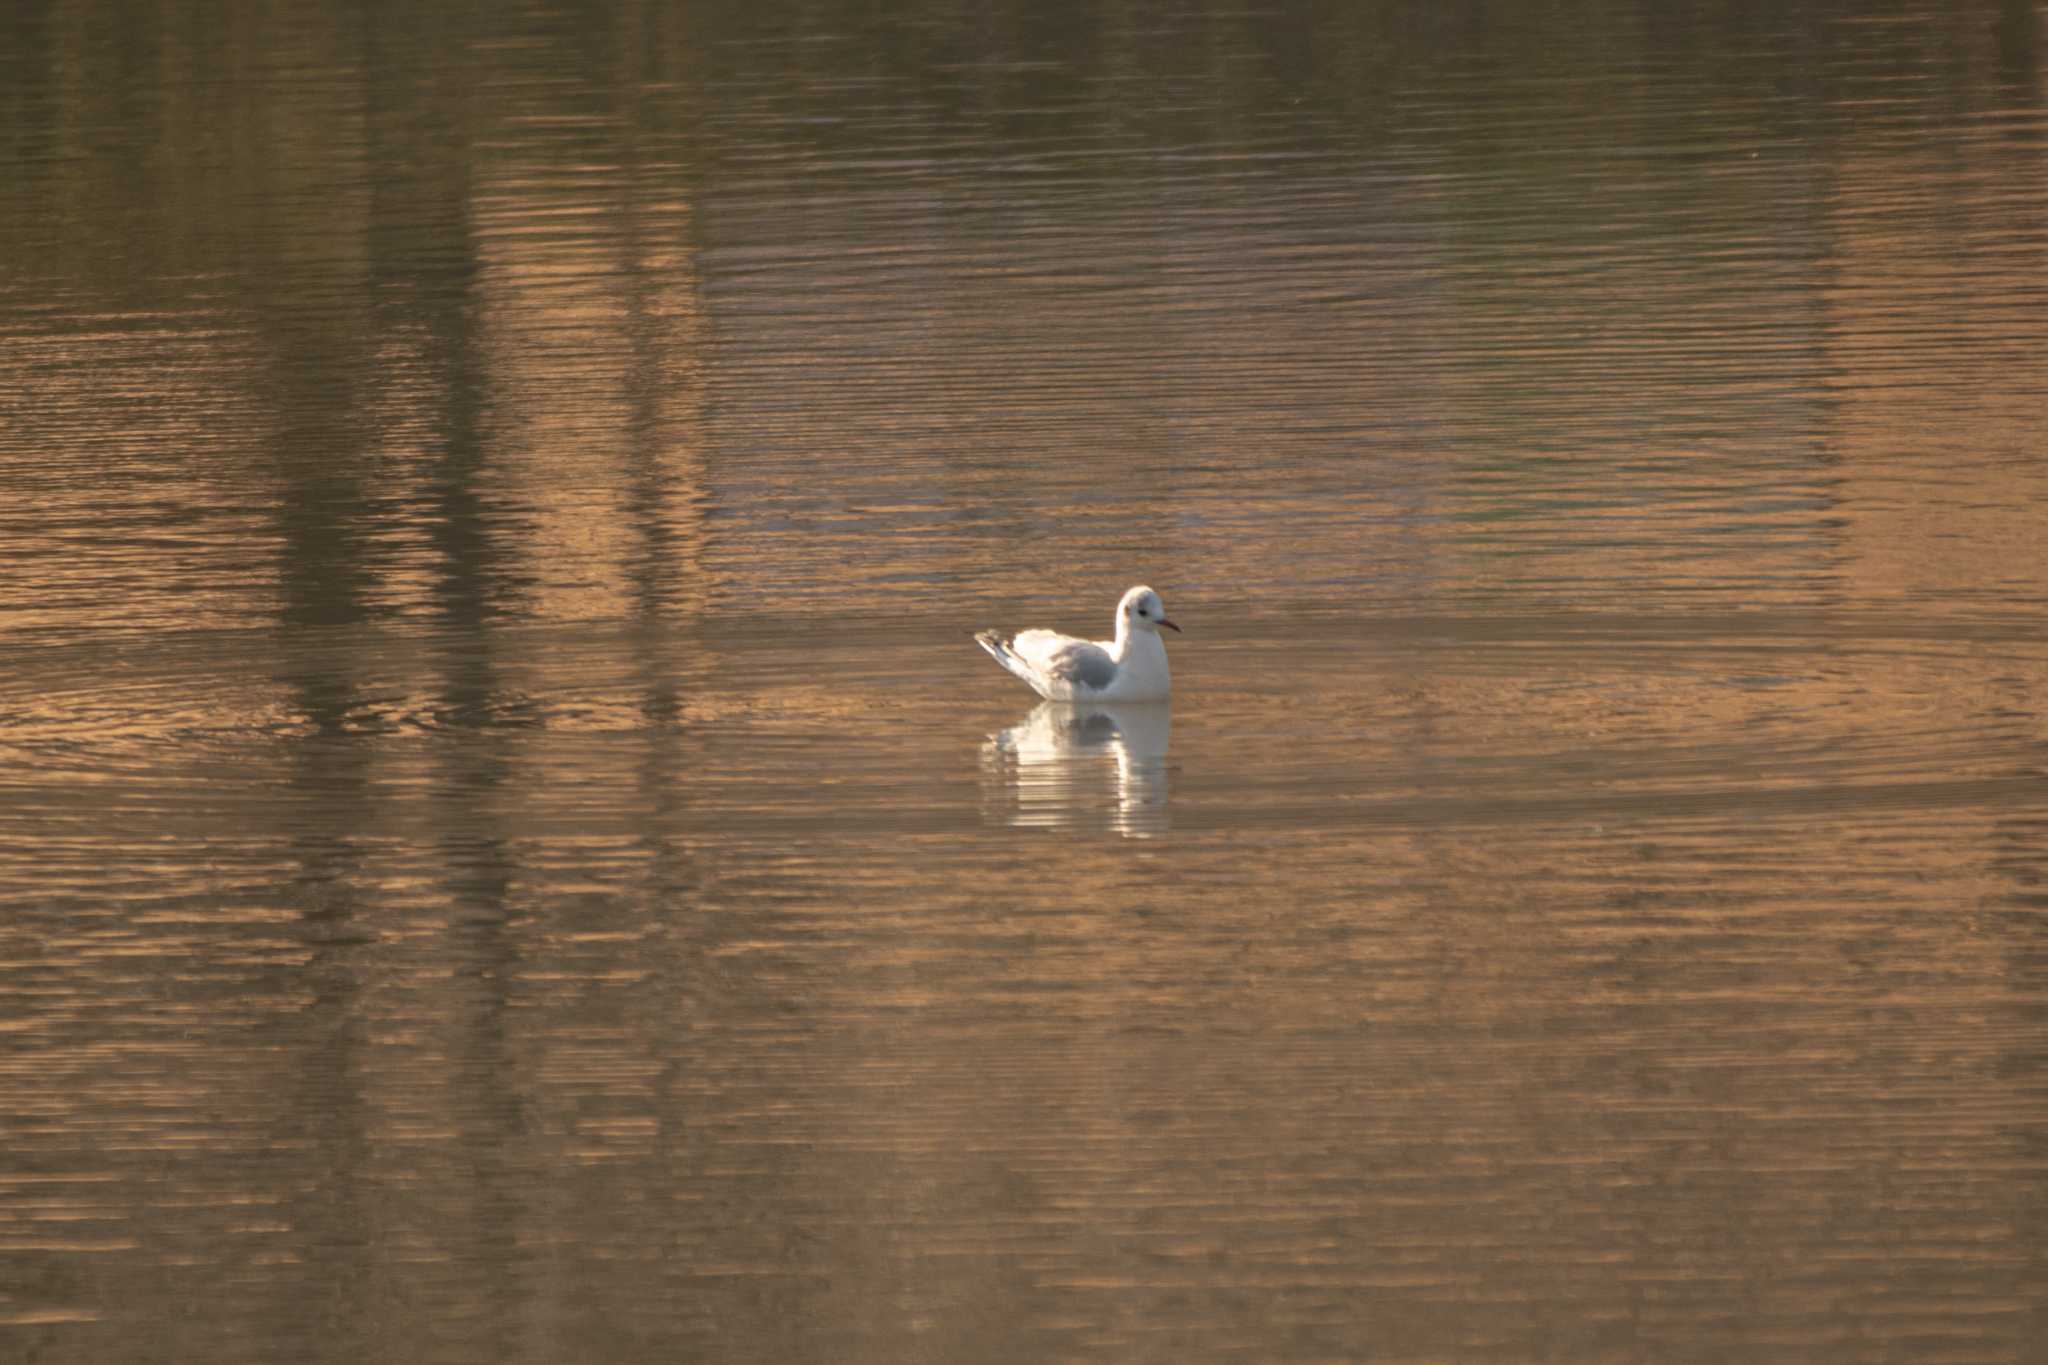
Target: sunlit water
(508, 851)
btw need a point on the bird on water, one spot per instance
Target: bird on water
(1132, 667)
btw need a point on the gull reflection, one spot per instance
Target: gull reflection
(1072, 765)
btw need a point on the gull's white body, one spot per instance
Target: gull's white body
(1132, 667)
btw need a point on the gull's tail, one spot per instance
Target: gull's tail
(999, 649)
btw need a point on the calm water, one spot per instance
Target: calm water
(508, 851)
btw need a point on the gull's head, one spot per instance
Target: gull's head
(1141, 609)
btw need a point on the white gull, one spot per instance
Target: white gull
(1059, 667)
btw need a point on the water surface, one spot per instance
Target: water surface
(508, 850)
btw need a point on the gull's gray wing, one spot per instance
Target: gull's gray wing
(1085, 665)
(1078, 663)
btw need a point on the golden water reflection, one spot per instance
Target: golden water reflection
(508, 850)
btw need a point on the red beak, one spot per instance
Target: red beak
(1169, 625)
